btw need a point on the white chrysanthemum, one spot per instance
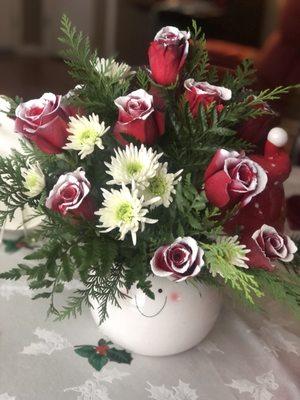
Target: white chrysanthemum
(112, 69)
(133, 164)
(34, 180)
(162, 186)
(5, 105)
(85, 134)
(124, 209)
(236, 252)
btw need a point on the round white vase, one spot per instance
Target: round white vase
(178, 319)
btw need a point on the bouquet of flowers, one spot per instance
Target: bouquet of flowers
(170, 171)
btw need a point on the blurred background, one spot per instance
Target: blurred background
(268, 31)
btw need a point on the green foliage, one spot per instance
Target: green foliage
(282, 286)
(219, 257)
(98, 90)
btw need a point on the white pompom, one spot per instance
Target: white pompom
(278, 137)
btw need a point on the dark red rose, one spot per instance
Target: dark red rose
(232, 178)
(138, 118)
(266, 245)
(43, 121)
(203, 93)
(178, 261)
(70, 195)
(167, 55)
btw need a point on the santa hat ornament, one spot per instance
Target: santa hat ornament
(269, 206)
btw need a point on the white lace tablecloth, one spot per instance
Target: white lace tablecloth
(247, 356)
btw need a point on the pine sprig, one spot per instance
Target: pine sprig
(283, 287)
(78, 55)
(105, 290)
(219, 261)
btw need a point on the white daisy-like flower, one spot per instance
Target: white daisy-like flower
(124, 209)
(85, 134)
(236, 251)
(5, 105)
(112, 69)
(34, 180)
(133, 164)
(162, 186)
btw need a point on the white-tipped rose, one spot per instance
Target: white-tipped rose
(181, 260)
(34, 180)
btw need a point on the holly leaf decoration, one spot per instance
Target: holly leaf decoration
(85, 351)
(119, 356)
(97, 361)
(99, 356)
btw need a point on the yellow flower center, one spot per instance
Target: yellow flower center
(125, 212)
(31, 180)
(133, 167)
(158, 186)
(87, 136)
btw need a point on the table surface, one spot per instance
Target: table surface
(247, 356)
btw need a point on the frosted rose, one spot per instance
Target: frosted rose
(178, 261)
(70, 195)
(233, 178)
(268, 245)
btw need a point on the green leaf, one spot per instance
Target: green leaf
(85, 351)
(45, 295)
(67, 268)
(97, 361)
(40, 284)
(119, 356)
(37, 255)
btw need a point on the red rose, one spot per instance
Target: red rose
(178, 261)
(138, 118)
(266, 245)
(43, 121)
(167, 55)
(232, 178)
(198, 93)
(70, 195)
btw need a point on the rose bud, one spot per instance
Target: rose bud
(167, 55)
(43, 121)
(70, 195)
(203, 93)
(138, 118)
(181, 260)
(233, 178)
(266, 245)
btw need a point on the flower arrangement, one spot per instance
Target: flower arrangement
(168, 171)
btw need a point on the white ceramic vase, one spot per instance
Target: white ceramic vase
(178, 319)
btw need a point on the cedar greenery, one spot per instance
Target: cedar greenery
(104, 264)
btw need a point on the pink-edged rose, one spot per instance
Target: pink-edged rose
(181, 260)
(70, 195)
(233, 178)
(43, 121)
(204, 93)
(167, 54)
(266, 245)
(138, 118)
